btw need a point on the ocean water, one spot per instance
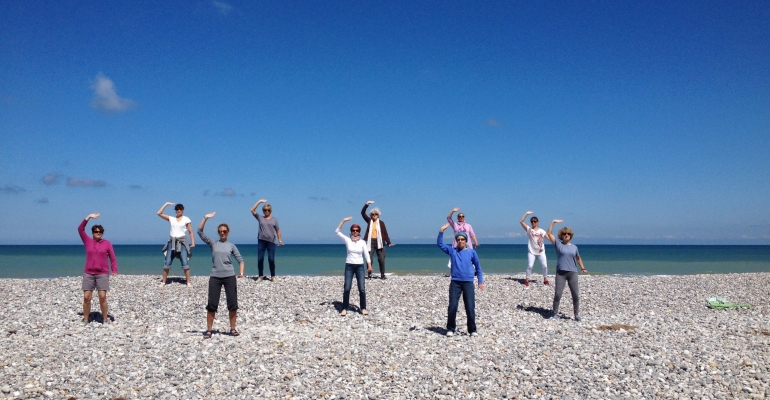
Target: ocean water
(329, 259)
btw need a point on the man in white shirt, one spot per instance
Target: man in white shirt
(536, 246)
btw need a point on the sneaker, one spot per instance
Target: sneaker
(474, 333)
(343, 313)
(261, 278)
(273, 279)
(189, 284)
(554, 316)
(162, 284)
(364, 312)
(578, 319)
(450, 333)
(545, 282)
(526, 282)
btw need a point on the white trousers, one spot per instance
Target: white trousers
(531, 263)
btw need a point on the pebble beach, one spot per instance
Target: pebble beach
(640, 337)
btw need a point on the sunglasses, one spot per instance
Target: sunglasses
(222, 232)
(355, 230)
(97, 232)
(461, 239)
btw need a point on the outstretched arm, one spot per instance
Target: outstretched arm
(160, 212)
(363, 211)
(524, 224)
(254, 208)
(346, 219)
(549, 234)
(203, 221)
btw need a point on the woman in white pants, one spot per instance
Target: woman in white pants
(536, 247)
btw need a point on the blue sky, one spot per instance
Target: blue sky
(635, 122)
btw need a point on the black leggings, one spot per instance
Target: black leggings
(380, 256)
(215, 289)
(570, 278)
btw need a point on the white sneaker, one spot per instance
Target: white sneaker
(344, 313)
(162, 284)
(364, 312)
(189, 284)
(473, 334)
(260, 279)
(274, 278)
(450, 333)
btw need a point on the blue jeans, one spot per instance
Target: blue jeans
(270, 247)
(358, 270)
(456, 288)
(170, 254)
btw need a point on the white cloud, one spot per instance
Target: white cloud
(105, 96)
(222, 7)
(51, 179)
(493, 122)
(85, 182)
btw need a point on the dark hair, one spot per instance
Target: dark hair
(355, 226)
(533, 219)
(95, 227)
(178, 207)
(221, 225)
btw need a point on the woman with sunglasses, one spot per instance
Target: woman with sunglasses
(567, 260)
(177, 246)
(222, 274)
(354, 265)
(268, 232)
(96, 274)
(461, 226)
(376, 237)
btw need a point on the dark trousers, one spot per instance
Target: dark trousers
(457, 288)
(380, 256)
(270, 247)
(570, 278)
(358, 271)
(215, 289)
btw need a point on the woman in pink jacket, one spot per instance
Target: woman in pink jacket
(96, 274)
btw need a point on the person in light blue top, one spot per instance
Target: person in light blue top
(568, 258)
(465, 266)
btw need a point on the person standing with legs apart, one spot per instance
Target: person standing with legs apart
(177, 243)
(461, 226)
(536, 246)
(354, 265)
(465, 265)
(222, 274)
(376, 237)
(100, 258)
(268, 232)
(567, 260)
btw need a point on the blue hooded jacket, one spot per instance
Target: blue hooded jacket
(465, 263)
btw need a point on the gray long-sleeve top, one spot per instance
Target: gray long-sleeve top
(220, 256)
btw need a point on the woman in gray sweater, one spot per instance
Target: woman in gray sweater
(222, 274)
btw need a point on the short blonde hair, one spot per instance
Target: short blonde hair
(375, 210)
(267, 207)
(564, 231)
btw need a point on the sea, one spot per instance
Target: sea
(43, 261)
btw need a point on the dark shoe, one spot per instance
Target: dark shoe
(578, 319)
(207, 335)
(383, 277)
(234, 332)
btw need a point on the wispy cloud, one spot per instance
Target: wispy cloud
(135, 187)
(42, 200)
(105, 96)
(85, 182)
(50, 179)
(228, 192)
(316, 198)
(12, 189)
(222, 7)
(206, 192)
(493, 122)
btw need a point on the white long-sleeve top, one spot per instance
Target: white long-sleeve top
(357, 251)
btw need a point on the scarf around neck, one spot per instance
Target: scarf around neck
(379, 236)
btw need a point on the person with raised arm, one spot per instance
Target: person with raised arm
(177, 246)
(100, 258)
(465, 266)
(567, 260)
(536, 247)
(376, 237)
(222, 274)
(354, 265)
(461, 226)
(268, 232)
